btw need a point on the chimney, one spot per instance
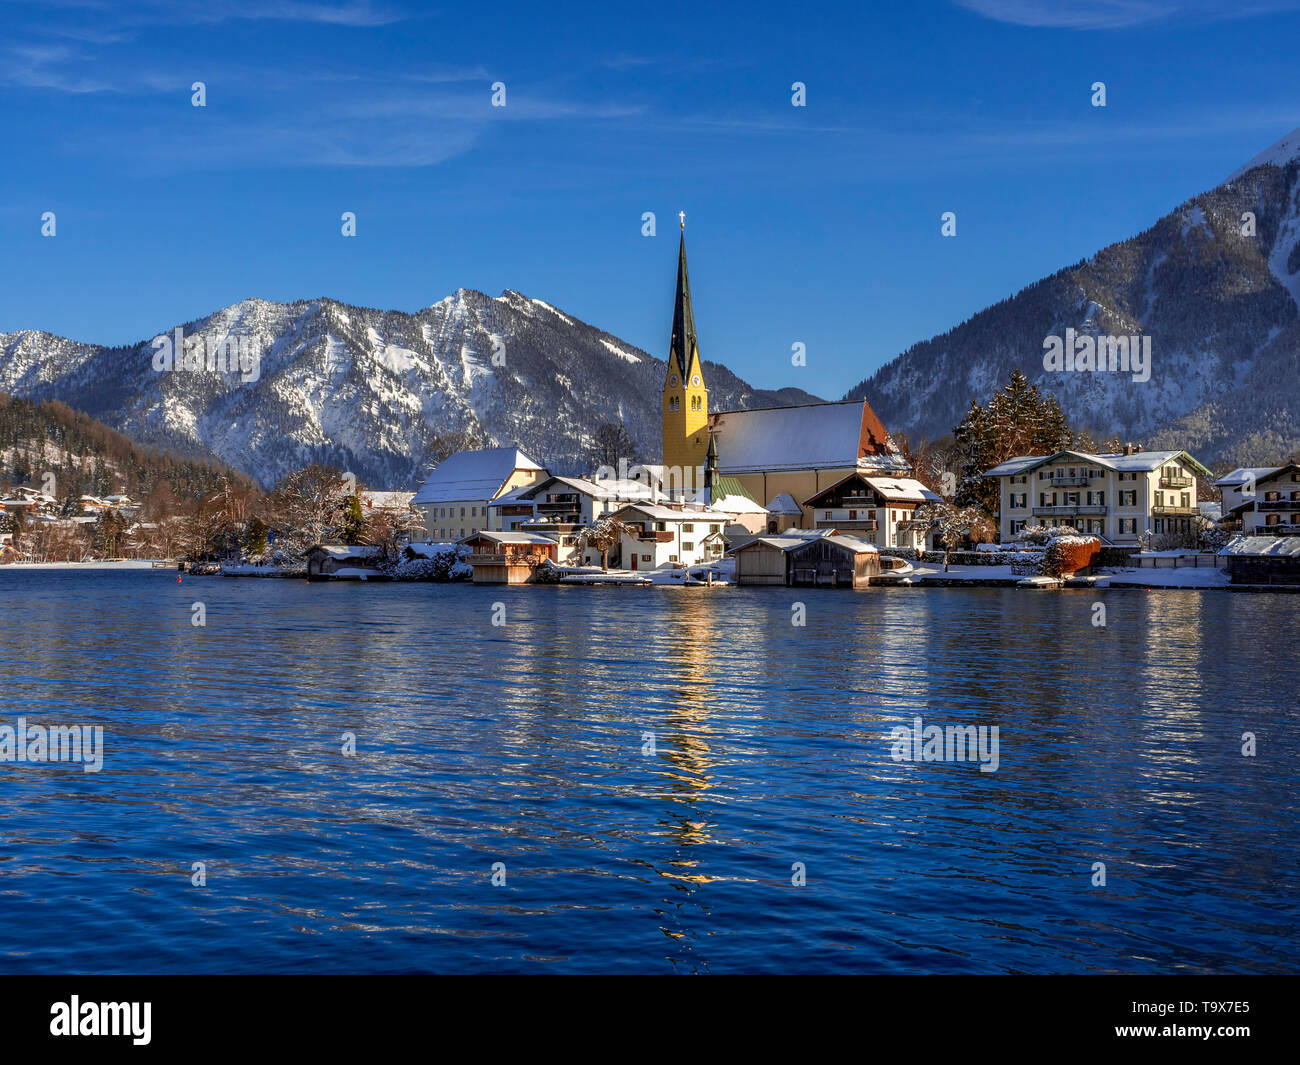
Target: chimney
(1128, 449)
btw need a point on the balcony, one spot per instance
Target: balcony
(660, 536)
(1277, 504)
(855, 524)
(1068, 479)
(1170, 480)
(1073, 508)
(1175, 512)
(1281, 529)
(857, 501)
(567, 506)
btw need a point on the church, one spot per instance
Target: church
(780, 457)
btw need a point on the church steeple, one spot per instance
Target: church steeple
(683, 341)
(685, 397)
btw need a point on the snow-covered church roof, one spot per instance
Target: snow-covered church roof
(813, 436)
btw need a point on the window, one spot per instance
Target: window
(687, 546)
(462, 512)
(715, 528)
(688, 527)
(828, 513)
(645, 558)
(853, 515)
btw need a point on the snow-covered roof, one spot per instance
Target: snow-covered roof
(787, 542)
(903, 489)
(387, 500)
(783, 504)
(470, 476)
(1242, 474)
(737, 505)
(603, 489)
(812, 436)
(510, 538)
(347, 550)
(1273, 546)
(661, 513)
(1138, 461)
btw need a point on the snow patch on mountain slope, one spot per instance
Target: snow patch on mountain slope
(621, 352)
(1277, 154)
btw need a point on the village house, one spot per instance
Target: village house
(1116, 497)
(564, 501)
(344, 561)
(1266, 500)
(666, 535)
(504, 557)
(824, 558)
(454, 498)
(878, 510)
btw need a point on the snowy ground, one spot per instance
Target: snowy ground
(1182, 577)
(133, 563)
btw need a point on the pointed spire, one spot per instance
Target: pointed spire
(683, 339)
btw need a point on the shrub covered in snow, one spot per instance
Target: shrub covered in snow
(446, 562)
(1069, 554)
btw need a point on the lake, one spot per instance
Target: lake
(658, 779)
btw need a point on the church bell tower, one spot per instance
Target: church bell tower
(685, 399)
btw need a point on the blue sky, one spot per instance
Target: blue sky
(818, 224)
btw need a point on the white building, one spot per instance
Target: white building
(1266, 499)
(1117, 497)
(564, 501)
(678, 535)
(454, 498)
(878, 510)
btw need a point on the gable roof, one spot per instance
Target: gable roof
(811, 436)
(1138, 461)
(512, 537)
(1240, 476)
(788, 543)
(784, 504)
(473, 475)
(661, 513)
(891, 489)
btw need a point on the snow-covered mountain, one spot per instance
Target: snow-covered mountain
(1220, 306)
(367, 390)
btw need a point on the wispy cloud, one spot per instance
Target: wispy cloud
(357, 13)
(1119, 14)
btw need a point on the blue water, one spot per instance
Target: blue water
(522, 744)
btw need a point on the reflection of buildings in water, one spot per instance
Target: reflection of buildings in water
(687, 763)
(1172, 654)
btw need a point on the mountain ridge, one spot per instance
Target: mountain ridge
(1220, 304)
(371, 390)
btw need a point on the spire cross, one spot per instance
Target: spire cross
(682, 216)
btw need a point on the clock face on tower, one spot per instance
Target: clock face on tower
(696, 380)
(673, 381)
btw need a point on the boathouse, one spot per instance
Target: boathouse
(508, 557)
(825, 559)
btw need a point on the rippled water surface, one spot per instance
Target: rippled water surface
(523, 744)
